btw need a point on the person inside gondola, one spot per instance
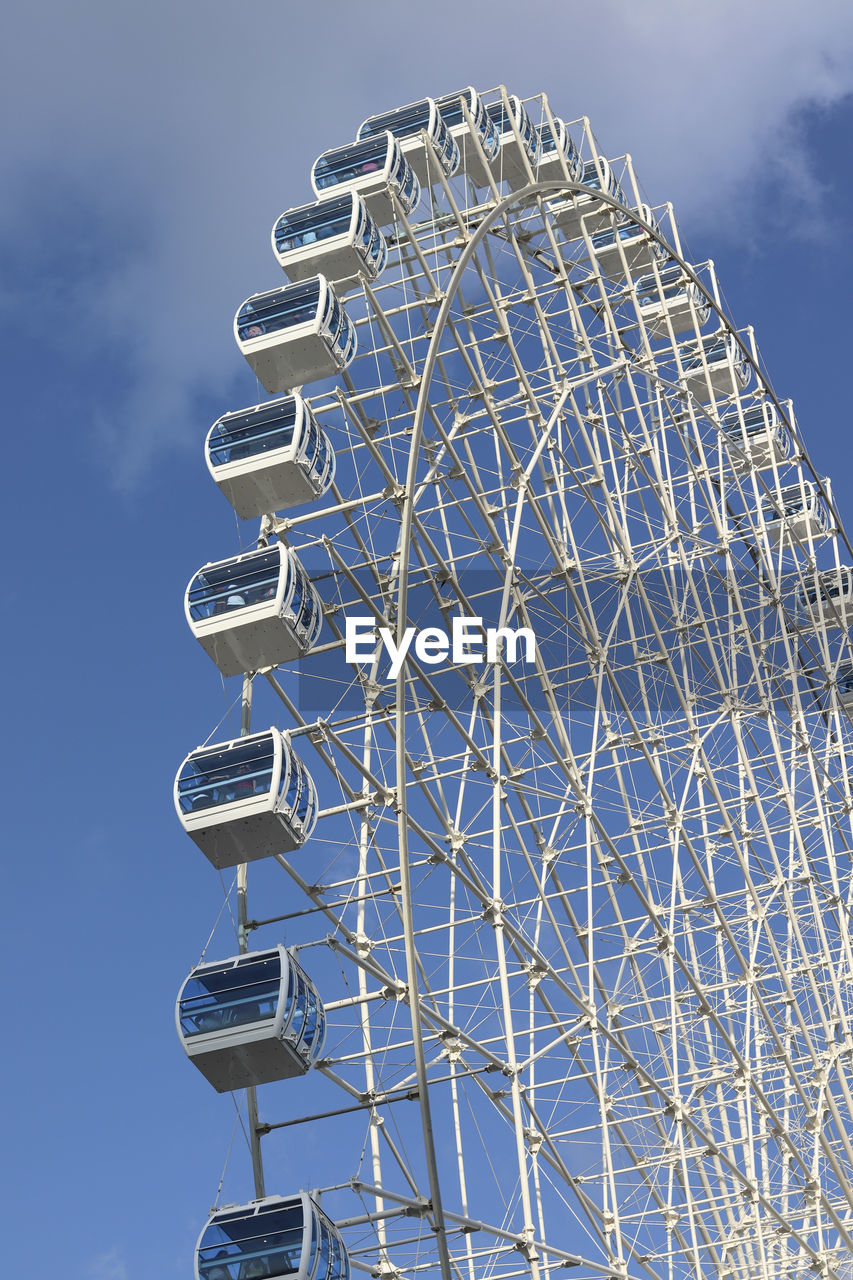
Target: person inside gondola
(244, 786)
(254, 1269)
(215, 1270)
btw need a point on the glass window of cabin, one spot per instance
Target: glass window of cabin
(220, 1261)
(336, 1257)
(280, 310)
(300, 998)
(267, 1243)
(446, 145)
(671, 281)
(755, 421)
(363, 219)
(295, 785)
(794, 500)
(243, 435)
(291, 991)
(333, 315)
(503, 120)
(403, 122)
(569, 149)
(405, 175)
(345, 163)
(310, 223)
(310, 1018)
(451, 109)
(315, 1240)
(310, 442)
(231, 995)
(235, 584)
(498, 113)
(832, 587)
(307, 801)
(377, 250)
(555, 141)
(625, 229)
(717, 349)
(323, 1263)
(297, 592)
(323, 448)
(223, 775)
(346, 340)
(590, 176)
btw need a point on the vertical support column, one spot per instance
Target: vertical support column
(243, 946)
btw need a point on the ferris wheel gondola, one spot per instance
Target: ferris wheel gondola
(627, 244)
(584, 210)
(251, 1019)
(374, 168)
(760, 436)
(797, 514)
(271, 1238)
(668, 299)
(478, 142)
(294, 335)
(519, 142)
(558, 155)
(259, 609)
(245, 799)
(717, 367)
(270, 457)
(410, 125)
(335, 237)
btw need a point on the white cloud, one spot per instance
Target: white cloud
(180, 131)
(108, 1266)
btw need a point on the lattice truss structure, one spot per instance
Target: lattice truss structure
(581, 926)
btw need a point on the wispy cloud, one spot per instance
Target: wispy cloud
(172, 136)
(108, 1266)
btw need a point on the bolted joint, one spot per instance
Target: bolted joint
(493, 912)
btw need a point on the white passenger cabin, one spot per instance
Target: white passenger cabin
(246, 799)
(717, 367)
(374, 167)
(270, 457)
(671, 298)
(294, 335)
(478, 143)
(336, 238)
(758, 437)
(627, 245)
(272, 1239)
(799, 515)
(250, 1020)
(255, 610)
(518, 154)
(558, 155)
(586, 209)
(410, 125)
(827, 601)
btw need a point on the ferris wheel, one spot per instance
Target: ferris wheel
(541, 760)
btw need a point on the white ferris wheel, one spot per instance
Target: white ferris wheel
(543, 958)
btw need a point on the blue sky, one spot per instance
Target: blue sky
(147, 152)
